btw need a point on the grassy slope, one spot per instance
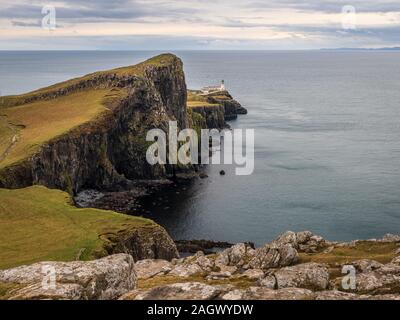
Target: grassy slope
(38, 224)
(380, 251)
(161, 60)
(44, 120)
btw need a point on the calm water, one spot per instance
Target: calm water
(327, 140)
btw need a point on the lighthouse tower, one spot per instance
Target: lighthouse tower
(222, 88)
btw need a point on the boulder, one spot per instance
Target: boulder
(385, 280)
(365, 265)
(149, 268)
(336, 295)
(205, 263)
(273, 256)
(185, 270)
(396, 261)
(268, 282)
(260, 293)
(391, 237)
(197, 264)
(106, 278)
(177, 291)
(238, 255)
(304, 241)
(311, 275)
(253, 274)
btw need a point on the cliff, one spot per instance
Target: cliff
(90, 132)
(87, 132)
(216, 108)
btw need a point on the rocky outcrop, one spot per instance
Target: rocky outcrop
(206, 246)
(304, 241)
(311, 276)
(107, 278)
(279, 274)
(383, 280)
(260, 293)
(149, 268)
(274, 256)
(215, 108)
(178, 291)
(232, 108)
(151, 242)
(214, 115)
(279, 271)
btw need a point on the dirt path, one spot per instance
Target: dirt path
(14, 139)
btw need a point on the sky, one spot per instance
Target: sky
(198, 24)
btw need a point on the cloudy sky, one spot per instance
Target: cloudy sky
(199, 24)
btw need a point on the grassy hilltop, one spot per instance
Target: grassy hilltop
(29, 120)
(37, 223)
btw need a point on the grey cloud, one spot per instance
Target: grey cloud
(89, 11)
(26, 24)
(330, 6)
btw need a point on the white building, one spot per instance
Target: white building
(211, 89)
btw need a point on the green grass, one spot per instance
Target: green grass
(379, 251)
(39, 224)
(6, 133)
(35, 118)
(44, 120)
(193, 104)
(138, 70)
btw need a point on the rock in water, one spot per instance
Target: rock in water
(106, 278)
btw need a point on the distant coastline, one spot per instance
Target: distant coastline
(362, 49)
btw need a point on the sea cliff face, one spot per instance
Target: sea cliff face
(106, 150)
(215, 108)
(110, 151)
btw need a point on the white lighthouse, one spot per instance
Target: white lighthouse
(208, 90)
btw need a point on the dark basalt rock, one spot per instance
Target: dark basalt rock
(206, 246)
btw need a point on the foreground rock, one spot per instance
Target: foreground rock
(383, 280)
(148, 268)
(304, 241)
(269, 256)
(152, 242)
(259, 293)
(107, 278)
(312, 276)
(178, 291)
(275, 271)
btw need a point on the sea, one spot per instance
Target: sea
(327, 140)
